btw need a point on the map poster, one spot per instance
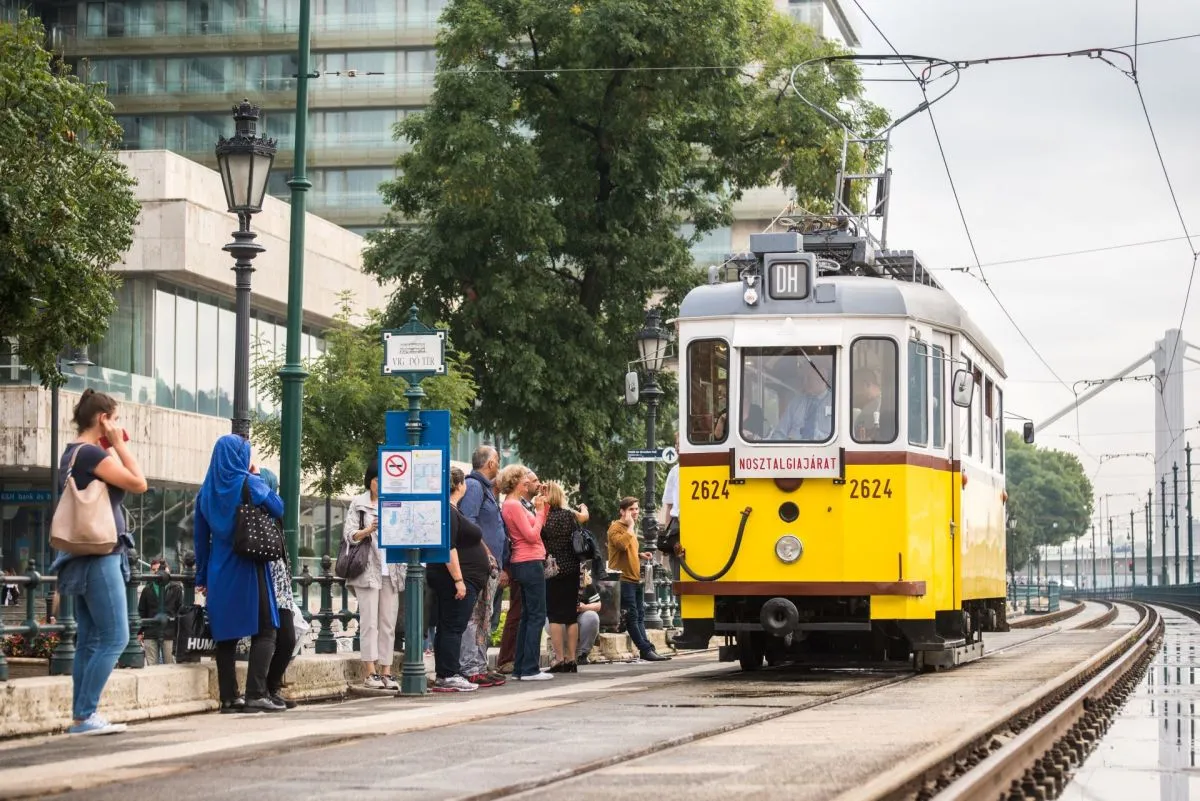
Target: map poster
(426, 472)
(410, 524)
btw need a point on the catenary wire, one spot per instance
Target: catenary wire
(958, 202)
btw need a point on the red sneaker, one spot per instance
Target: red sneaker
(482, 680)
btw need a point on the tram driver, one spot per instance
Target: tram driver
(809, 415)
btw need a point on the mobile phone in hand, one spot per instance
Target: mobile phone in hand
(105, 444)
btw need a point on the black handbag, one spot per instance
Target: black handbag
(256, 535)
(193, 636)
(583, 543)
(353, 556)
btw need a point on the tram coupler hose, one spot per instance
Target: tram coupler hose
(737, 546)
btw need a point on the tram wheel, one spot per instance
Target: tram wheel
(751, 646)
(775, 650)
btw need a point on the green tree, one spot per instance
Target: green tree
(1049, 498)
(538, 209)
(346, 399)
(67, 208)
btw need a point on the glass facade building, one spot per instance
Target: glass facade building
(173, 69)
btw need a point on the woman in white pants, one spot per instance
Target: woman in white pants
(377, 589)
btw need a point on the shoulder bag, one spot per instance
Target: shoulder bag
(256, 535)
(352, 556)
(83, 523)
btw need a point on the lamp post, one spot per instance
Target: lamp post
(79, 365)
(293, 373)
(652, 343)
(1163, 496)
(1149, 538)
(1175, 470)
(244, 161)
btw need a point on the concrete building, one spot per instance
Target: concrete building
(168, 355)
(174, 68)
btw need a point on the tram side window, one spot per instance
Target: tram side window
(939, 397)
(1000, 425)
(708, 391)
(989, 413)
(873, 393)
(977, 412)
(918, 393)
(971, 417)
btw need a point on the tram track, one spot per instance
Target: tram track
(1049, 618)
(1105, 619)
(548, 782)
(1029, 752)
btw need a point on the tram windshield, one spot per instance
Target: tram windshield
(788, 394)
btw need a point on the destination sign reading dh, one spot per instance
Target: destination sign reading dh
(789, 280)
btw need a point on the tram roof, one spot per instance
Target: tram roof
(854, 296)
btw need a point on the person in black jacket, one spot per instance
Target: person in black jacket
(156, 635)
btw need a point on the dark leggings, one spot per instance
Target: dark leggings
(262, 650)
(285, 644)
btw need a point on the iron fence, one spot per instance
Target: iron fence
(59, 617)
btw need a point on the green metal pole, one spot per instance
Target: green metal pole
(1149, 539)
(1060, 565)
(1188, 450)
(412, 675)
(1163, 496)
(1132, 553)
(1094, 587)
(1077, 587)
(1175, 470)
(293, 373)
(1112, 558)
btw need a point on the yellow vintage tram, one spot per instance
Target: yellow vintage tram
(841, 459)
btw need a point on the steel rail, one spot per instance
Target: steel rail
(942, 766)
(1049, 618)
(1102, 621)
(1008, 768)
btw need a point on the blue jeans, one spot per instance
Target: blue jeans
(531, 578)
(102, 632)
(633, 605)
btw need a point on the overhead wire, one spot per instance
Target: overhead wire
(957, 200)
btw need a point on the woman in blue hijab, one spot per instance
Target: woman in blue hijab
(240, 602)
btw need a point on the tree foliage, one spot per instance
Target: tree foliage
(346, 399)
(539, 207)
(1049, 498)
(67, 208)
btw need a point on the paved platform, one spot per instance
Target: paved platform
(486, 744)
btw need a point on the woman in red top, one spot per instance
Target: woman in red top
(527, 569)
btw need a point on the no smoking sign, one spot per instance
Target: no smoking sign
(396, 465)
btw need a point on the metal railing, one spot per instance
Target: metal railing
(1034, 597)
(62, 624)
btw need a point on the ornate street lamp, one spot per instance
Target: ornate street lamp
(653, 341)
(244, 161)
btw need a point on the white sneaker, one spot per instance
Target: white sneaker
(538, 677)
(373, 682)
(454, 684)
(96, 725)
(389, 683)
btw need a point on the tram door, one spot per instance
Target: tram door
(941, 441)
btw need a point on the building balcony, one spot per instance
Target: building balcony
(358, 149)
(358, 32)
(148, 96)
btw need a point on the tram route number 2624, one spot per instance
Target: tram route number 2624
(709, 490)
(870, 488)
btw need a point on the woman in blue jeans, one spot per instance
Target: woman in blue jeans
(527, 569)
(96, 584)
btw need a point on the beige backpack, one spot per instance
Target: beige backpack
(83, 523)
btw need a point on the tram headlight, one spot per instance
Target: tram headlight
(750, 296)
(788, 548)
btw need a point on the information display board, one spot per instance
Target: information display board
(414, 489)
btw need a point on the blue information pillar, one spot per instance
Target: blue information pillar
(414, 524)
(414, 481)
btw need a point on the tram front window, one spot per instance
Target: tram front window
(788, 394)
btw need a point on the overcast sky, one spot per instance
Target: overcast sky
(1052, 156)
